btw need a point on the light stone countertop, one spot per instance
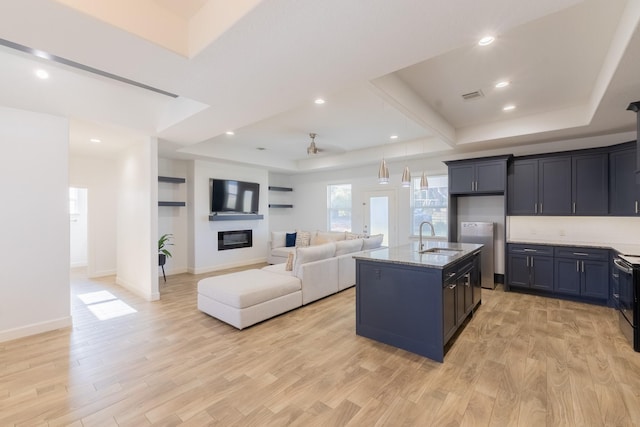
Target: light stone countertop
(621, 248)
(409, 254)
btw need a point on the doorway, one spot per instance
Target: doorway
(78, 227)
(379, 216)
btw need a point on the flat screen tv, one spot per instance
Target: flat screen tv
(229, 196)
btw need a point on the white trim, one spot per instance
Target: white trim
(36, 328)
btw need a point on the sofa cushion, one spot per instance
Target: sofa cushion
(278, 239)
(351, 236)
(321, 237)
(290, 240)
(278, 269)
(303, 238)
(348, 246)
(312, 253)
(283, 252)
(372, 242)
(247, 288)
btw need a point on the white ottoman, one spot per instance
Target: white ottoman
(247, 297)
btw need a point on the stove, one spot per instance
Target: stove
(626, 292)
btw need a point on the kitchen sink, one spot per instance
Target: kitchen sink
(441, 251)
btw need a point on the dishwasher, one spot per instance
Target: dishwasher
(481, 233)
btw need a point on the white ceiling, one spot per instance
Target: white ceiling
(385, 68)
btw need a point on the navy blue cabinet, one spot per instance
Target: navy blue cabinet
(478, 176)
(530, 266)
(554, 186)
(624, 193)
(522, 189)
(559, 185)
(590, 184)
(582, 272)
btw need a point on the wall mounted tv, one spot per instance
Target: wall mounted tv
(230, 196)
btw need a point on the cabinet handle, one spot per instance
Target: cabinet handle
(583, 266)
(578, 266)
(574, 207)
(616, 296)
(636, 206)
(452, 286)
(527, 261)
(540, 207)
(530, 250)
(615, 275)
(535, 205)
(580, 253)
(531, 262)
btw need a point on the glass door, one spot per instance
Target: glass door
(380, 215)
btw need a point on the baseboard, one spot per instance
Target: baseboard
(103, 273)
(36, 328)
(173, 272)
(78, 264)
(219, 267)
(155, 296)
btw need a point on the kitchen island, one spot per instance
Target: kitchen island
(417, 299)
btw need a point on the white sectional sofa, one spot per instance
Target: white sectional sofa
(244, 298)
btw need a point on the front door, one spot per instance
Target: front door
(380, 215)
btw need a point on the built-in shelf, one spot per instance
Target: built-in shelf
(235, 217)
(171, 179)
(275, 205)
(272, 188)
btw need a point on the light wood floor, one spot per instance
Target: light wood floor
(522, 360)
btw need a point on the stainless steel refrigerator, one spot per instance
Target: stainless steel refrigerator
(482, 233)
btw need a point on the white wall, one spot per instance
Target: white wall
(574, 229)
(204, 255)
(173, 219)
(137, 235)
(78, 228)
(281, 219)
(34, 295)
(310, 194)
(99, 177)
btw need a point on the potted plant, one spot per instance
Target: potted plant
(163, 252)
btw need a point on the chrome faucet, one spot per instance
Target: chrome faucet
(433, 232)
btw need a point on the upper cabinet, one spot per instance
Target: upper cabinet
(479, 176)
(624, 193)
(559, 185)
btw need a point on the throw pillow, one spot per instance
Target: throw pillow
(277, 239)
(289, 266)
(372, 242)
(290, 240)
(303, 238)
(352, 236)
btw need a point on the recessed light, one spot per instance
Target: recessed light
(393, 137)
(319, 101)
(95, 140)
(260, 148)
(42, 74)
(502, 84)
(509, 108)
(230, 132)
(486, 40)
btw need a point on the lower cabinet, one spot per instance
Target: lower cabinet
(570, 271)
(460, 294)
(530, 266)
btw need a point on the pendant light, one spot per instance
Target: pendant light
(424, 184)
(383, 173)
(406, 177)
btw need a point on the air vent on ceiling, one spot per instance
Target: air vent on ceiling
(472, 95)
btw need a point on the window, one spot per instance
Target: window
(430, 205)
(339, 207)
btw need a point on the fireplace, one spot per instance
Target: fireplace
(234, 239)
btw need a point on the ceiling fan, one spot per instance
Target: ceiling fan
(312, 149)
